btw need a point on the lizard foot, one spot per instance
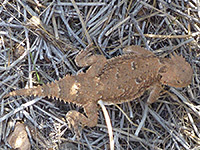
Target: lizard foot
(74, 122)
(75, 118)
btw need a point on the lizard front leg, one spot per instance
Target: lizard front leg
(155, 93)
(75, 118)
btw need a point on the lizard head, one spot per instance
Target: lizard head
(176, 72)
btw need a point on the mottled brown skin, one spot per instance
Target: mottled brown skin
(117, 80)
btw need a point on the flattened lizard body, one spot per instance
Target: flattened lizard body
(120, 79)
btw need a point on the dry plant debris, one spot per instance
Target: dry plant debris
(18, 139)
(36, 51)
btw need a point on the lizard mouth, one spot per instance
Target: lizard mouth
(175, 83)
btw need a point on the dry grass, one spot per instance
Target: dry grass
(34, 53)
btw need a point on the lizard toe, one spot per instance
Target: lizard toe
(74, 123)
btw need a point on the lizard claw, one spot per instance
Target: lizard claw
(73, 122)
(77, 120)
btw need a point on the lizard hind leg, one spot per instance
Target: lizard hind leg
(75, 118)
(86, 57)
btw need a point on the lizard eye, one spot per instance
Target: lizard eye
(178, 81)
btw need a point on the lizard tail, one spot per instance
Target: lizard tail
(36, 91)
(50, 90)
